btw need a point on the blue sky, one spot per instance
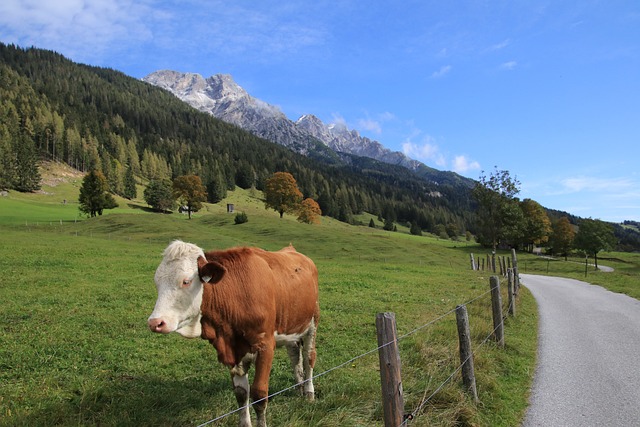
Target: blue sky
(548, 90)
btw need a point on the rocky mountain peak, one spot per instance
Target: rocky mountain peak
(222, 86)
(222, 97)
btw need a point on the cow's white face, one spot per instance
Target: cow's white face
(179, 298)
(179, 280)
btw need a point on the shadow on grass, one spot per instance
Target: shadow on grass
(146, 208)
(136, 401)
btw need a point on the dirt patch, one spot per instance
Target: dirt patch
(54, 173)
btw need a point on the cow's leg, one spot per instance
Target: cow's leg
(260, 386)
(309, 360)
(240, 381)
(295, 355)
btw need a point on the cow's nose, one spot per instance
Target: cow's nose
(156, 325)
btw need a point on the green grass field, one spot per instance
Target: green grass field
(75, 294)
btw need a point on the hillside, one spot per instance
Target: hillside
(92, 117)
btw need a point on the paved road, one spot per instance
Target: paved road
(588, 371)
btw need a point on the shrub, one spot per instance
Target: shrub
(241, 218)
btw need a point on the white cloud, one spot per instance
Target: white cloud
(444, 70)
(581, 183)
(87, 29)
(375, 124)
(73, 25)
(509, 65)
(501, 45)
(461, 164)
(426, 152)
(370, 125)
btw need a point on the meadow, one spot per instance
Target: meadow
(75, 294)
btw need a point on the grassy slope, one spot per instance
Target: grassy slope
(74, 298)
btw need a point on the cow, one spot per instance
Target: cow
(245, 301)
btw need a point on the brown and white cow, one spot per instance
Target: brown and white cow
(244, 301)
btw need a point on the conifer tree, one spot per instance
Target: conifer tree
(94, 194)
(415, 229)
(216, 189)
(27, 176)
(130, 191)
(159, 195)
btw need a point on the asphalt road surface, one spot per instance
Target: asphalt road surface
(588, 371)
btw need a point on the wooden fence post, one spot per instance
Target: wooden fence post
(473, 264)
(466, 355)
(516, 273)
(512, 299)
(392, 399)
(496, 308)
(493, 262)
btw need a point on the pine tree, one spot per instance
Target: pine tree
(159, 195)
(94, 194)
(130, 191)
(388, 224)
(216, 189)
(27, 176)
(415, 229)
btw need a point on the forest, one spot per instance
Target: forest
(96, 118)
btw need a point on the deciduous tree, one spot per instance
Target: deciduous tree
(309, 212)
(189, 191)
(537, 226)
(594, 236)
(495, 195)
(282, 194)
(562, 237)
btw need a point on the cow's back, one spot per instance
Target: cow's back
(279, 288)
(296, 287)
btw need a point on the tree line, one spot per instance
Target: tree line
(506, 221)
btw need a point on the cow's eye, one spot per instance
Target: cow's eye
(186, 282)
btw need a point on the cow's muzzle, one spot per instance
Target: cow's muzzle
(158, 325)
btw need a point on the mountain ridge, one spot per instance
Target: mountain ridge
(220, 96)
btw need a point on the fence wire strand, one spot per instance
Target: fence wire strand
(360, 356)
(413, 413)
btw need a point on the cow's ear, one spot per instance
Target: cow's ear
(210, 271)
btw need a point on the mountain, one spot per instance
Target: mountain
(222, 97)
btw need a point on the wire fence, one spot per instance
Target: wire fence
(349, 362)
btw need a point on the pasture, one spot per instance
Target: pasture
(75, 294)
